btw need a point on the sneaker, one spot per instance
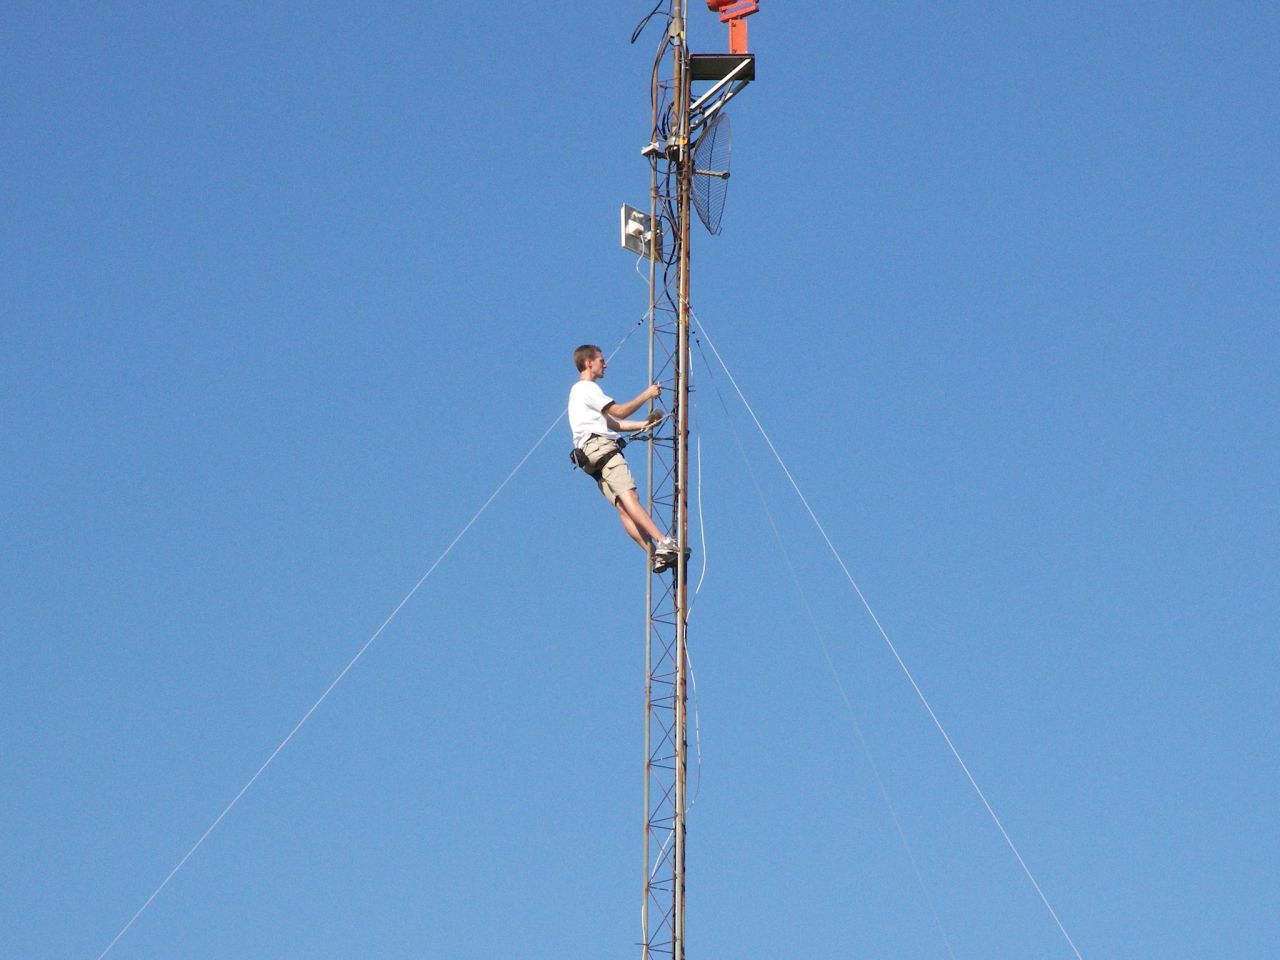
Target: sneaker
(666, 547)
(665, 553)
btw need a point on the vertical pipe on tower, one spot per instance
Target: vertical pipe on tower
(684, 181)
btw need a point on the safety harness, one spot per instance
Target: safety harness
(581, 461)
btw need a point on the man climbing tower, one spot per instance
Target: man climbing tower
(596, 420)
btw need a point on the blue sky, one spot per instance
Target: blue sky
(289, 289)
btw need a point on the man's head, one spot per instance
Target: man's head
(585, 354)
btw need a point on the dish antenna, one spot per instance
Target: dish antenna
(712, 154)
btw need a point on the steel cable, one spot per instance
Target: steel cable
(345, 670)
(955, 753)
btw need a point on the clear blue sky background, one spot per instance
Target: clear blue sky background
(287, 291)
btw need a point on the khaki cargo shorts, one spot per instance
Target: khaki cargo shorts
(615, 479)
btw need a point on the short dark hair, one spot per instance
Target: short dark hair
(585, 354)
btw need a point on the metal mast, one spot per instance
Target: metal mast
(676, 119)
(662, 912)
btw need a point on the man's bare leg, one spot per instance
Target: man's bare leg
(629, 525)
(636, 520)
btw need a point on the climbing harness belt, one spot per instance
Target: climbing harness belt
(579, 459)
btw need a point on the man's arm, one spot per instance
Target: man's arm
(624, 426)
(620, 411)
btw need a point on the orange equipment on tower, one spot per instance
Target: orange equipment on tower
(735, 13)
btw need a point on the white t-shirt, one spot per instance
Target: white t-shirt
(586, 411)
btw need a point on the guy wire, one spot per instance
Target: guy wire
(347, 669)
(831, 666)
(892, 648)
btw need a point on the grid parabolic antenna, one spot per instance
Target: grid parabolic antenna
(712, 154)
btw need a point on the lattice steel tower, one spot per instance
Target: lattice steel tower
(688, 153)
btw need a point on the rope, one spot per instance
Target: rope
(693, 678)
(345, 670)
(702, 531)
(892, 649)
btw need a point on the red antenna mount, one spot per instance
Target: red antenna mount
(735, 13)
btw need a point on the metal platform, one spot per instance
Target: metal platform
(728, 74)
(717, 66)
